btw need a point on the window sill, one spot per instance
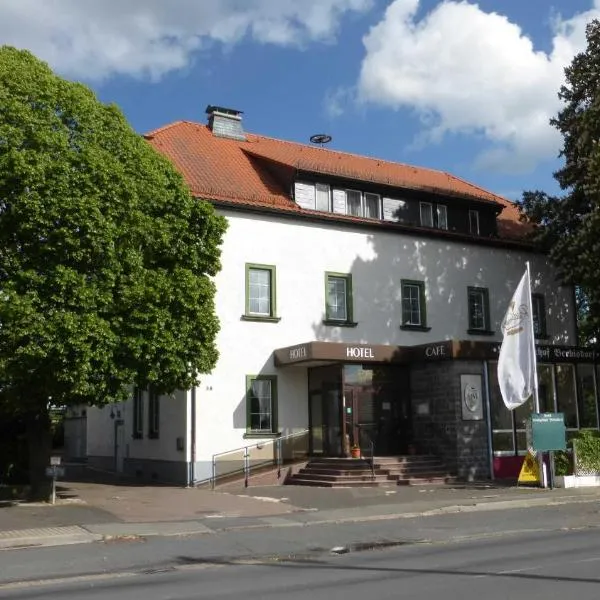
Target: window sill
(480, 332)
(414, 328)
(258, 435)
(153, 436)
(259, 318)
(334, 323)
(137, 436)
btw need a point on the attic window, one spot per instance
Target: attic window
(323, 201)
(433, 215)
(324, 198)
(474, 222)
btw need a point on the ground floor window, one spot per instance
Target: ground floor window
(261, 405)
(567, 388)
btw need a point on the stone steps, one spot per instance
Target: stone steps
(388, 471)
(296, 480)
(416, 481)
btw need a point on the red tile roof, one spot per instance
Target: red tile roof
(260, 170)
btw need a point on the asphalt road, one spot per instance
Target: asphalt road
(546, 565)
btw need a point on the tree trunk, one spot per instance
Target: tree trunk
(39, 443)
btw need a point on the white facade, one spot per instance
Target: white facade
(302, 252)
(112, 446)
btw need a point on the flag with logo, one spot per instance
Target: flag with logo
(516, 364)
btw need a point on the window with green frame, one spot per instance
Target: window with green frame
(261, 299)
(261, 405)
(338, 299)
(479, 311)
(414, 313)
(138, 413)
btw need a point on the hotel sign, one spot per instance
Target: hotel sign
(312, 352)
(362, 352)
(298, 353)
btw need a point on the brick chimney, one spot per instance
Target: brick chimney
(225, 122)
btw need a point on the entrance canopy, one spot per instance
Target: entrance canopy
(321, 353)
(310, 354)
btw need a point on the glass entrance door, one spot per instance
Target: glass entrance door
(378, 408)
(360, 422)
(359, 404)
(325, 411)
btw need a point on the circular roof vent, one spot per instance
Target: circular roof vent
(320, 138)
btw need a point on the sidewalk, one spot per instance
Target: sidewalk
(88, 512)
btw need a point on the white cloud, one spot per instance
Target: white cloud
(93, 39)
(467, 71)
(337, 100)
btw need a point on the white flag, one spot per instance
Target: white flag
(516, 365)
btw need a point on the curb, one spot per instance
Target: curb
(58, 536)
(46, 536)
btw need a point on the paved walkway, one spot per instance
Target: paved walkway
(88, 512)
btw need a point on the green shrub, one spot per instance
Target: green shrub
(588, 450)
(563, 463)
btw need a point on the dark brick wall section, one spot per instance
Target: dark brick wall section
(437, 418)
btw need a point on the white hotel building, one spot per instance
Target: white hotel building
(356, 295)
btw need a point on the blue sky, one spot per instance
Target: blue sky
(457, 86)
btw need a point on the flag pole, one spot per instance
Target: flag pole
(536, 397)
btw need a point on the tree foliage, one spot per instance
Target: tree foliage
(569, 225)
(106, 260)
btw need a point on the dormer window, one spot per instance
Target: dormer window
(323, 197)
(433, 218)
(442, 217)
(474, 222)
(353, 203)
(372, 206)
(426, 214)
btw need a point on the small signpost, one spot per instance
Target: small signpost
(548, 433)
(54, 471)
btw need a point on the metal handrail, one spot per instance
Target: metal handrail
(361, 429)
(278, 460)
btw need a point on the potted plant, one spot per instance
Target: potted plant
(355, 451)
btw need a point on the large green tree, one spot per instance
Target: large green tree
(106, 260)
(568, 226)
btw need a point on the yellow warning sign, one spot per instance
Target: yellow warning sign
(530, 471)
